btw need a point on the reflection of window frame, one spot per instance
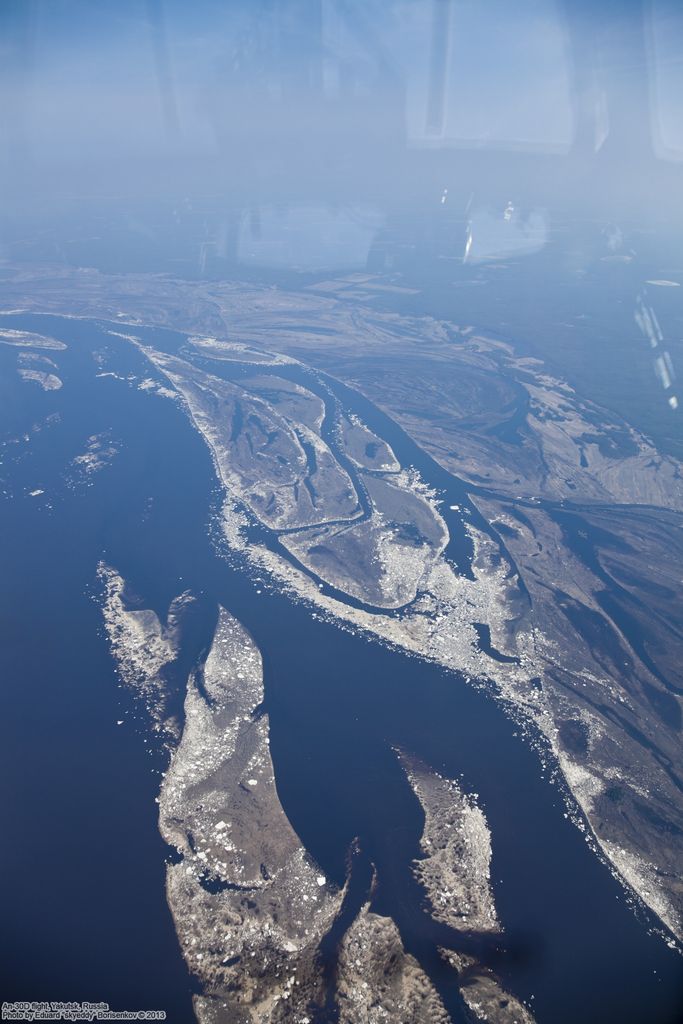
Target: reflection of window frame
(429, 125)
(662, 150)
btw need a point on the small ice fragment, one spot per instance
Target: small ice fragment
(119, 721)
(321, 880)
(252, 782)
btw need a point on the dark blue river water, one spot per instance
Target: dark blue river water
(82, 862)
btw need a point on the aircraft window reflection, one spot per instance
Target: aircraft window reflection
(666, 59)
(453, 98)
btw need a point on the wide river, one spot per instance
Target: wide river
(83, 899)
